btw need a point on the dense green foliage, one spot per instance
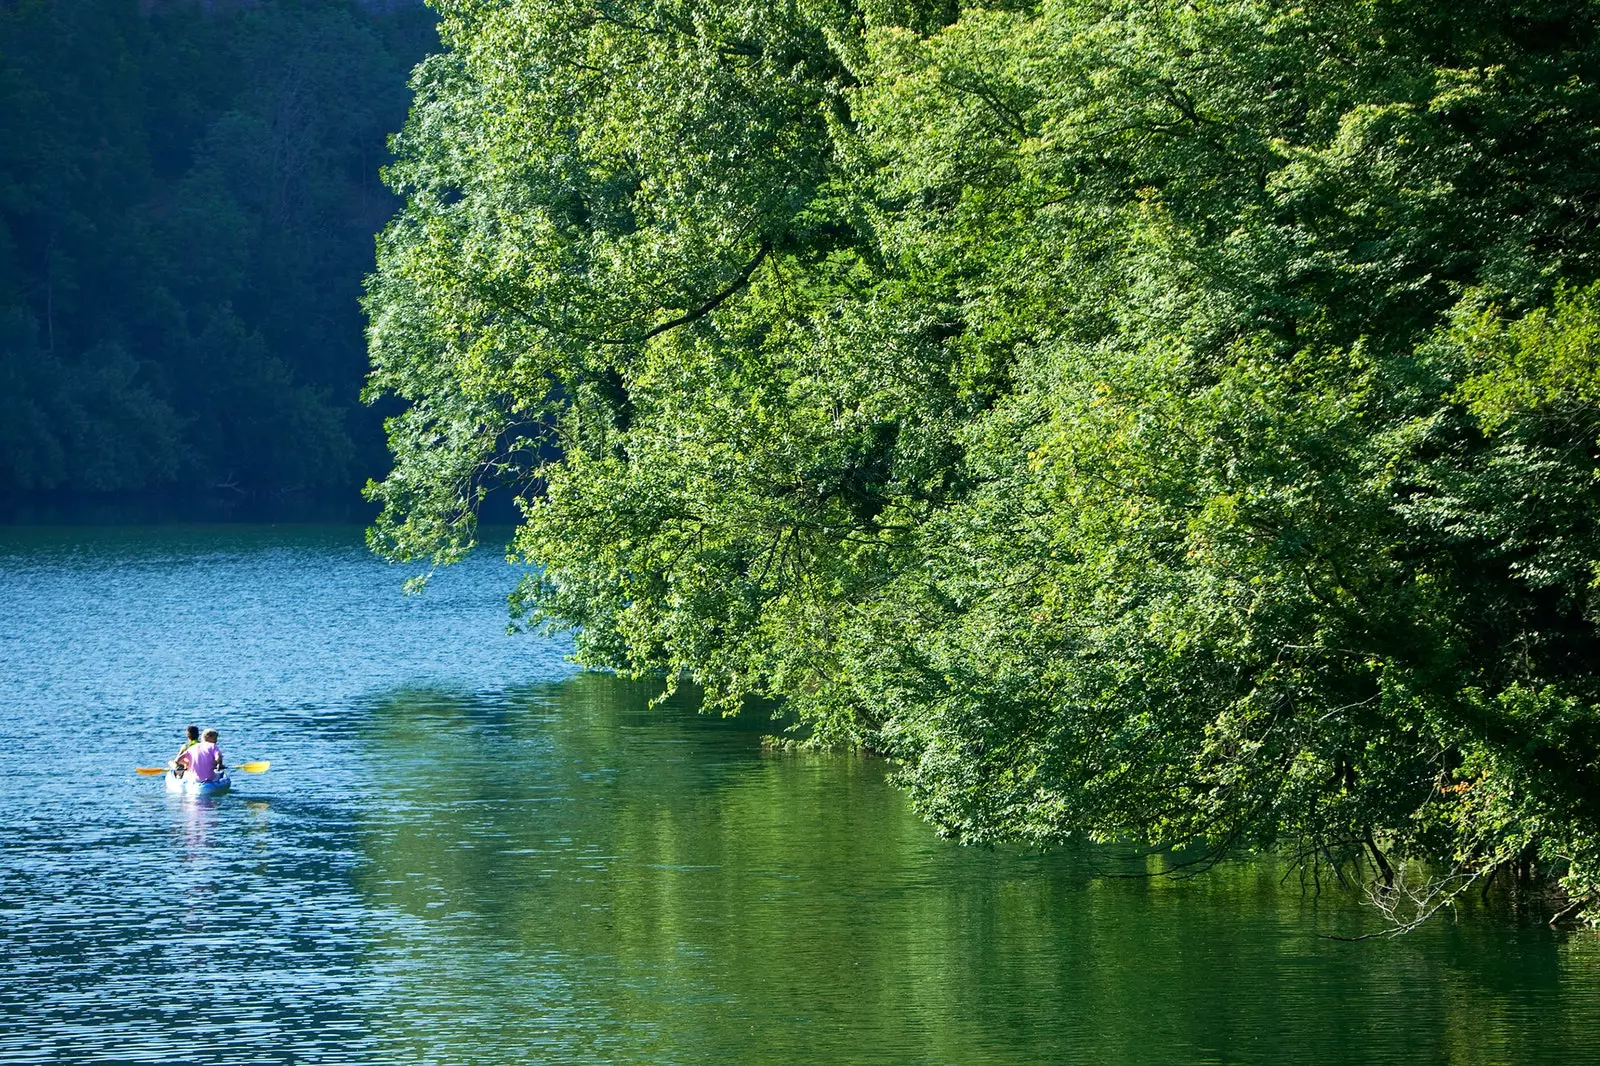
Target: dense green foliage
(1172, 422)
(186, 209)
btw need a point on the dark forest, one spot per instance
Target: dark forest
(188, 195)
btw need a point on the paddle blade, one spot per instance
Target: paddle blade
(254, 767)
(148, 771)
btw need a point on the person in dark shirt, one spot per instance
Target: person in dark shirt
(193, 737)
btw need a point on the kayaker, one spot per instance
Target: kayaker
(193, 738)
(204, 759)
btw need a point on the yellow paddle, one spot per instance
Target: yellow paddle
(247, 767)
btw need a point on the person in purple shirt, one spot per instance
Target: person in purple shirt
(204, 760)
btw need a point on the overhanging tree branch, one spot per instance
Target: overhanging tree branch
(704, 309)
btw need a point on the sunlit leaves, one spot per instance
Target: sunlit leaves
(1095, 407)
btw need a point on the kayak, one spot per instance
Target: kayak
(188, 786)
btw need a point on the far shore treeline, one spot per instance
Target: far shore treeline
(188, 194)
(1146, 421)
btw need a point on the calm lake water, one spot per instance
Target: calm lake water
(467, 852)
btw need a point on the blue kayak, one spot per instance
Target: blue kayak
(188, 786)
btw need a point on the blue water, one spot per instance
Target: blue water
(467, 852)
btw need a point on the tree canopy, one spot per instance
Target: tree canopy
(187, 201)
(1172, 422)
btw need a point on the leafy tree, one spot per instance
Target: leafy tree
(1145, 422)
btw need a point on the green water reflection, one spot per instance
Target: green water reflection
(583, 879)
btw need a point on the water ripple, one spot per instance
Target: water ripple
(465, 853)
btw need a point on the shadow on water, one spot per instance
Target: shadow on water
(145, 509)
(580, 877)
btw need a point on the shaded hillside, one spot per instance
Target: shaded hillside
(187, 202)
